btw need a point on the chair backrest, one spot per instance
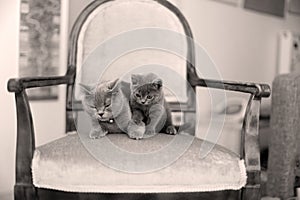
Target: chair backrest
(107, 21)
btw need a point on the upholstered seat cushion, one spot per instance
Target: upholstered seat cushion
(66, 165)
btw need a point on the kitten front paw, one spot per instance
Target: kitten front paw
(171, 130)
(136, 131)
(150, 132)
(95, 133)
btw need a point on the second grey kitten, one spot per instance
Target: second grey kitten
(148, 104)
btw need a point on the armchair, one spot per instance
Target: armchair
(54, 158)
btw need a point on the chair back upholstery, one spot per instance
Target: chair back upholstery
(107, 22)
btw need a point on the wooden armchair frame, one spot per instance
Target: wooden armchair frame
(24, 188)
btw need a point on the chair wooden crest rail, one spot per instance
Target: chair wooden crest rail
(25, 187)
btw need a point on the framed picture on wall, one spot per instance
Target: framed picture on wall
(273, 7)
(294, 7)
(40, 29)
(230, 2)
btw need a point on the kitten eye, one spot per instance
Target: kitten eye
(107, 105)
(149, 97)
(137, 95)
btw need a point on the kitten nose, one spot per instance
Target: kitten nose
(143, 101)
(100, 113)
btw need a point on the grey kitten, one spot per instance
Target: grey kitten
(148, 104)
(107, 104)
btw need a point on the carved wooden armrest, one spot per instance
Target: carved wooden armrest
(19, 84)
(259, 90)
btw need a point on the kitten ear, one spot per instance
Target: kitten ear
(135, 78)
(86, 89)
(157, 83)
(112, 85)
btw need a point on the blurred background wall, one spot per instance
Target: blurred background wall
(9, 20)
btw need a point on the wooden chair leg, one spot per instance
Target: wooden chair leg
(251, 152)
(24, 192)
(24, 189)
(251, 192)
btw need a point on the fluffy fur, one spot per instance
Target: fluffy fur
(107, 104)
(148, 104)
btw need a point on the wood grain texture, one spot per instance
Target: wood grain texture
(25, 148)
(19, 84)
(250, 149)
(25, 192)
(259, 90)
(251, 192)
